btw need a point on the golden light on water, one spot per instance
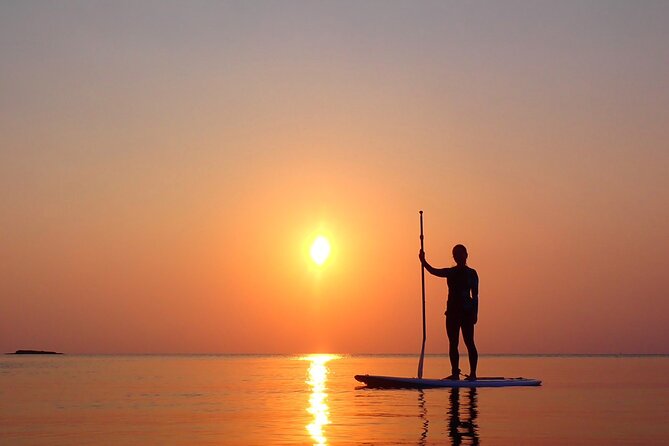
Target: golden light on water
(318, 407)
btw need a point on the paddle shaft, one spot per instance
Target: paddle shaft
(422, 285)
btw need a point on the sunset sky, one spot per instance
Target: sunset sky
(164, 167)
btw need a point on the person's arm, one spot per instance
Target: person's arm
(439, 272)
(475, 296)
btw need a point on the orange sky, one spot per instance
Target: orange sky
(164, 167)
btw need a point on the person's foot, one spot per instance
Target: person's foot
(471, 377)
(453, 376)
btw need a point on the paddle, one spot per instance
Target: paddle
(422, 283)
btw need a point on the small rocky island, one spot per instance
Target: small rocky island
(34, 352)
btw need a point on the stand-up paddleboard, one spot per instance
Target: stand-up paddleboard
(394, 382)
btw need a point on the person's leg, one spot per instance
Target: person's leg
(468, 337)
(453, 332)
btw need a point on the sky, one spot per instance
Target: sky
(165, 165)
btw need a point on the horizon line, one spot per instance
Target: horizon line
(346, 354)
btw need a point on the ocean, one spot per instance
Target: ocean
(314, 400)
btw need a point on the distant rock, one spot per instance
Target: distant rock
(33, 352)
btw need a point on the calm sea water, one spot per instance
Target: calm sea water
(313, 399)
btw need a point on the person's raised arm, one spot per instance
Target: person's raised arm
(439, 272)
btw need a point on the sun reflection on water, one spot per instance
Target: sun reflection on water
(318, 407)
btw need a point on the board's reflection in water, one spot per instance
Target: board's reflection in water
(318, 407)
(462, 427)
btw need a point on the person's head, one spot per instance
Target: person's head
(460, 254)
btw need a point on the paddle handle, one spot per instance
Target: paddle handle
(422, 285)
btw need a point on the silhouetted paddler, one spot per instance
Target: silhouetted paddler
(461, 307)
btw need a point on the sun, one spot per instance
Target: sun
(320, 250)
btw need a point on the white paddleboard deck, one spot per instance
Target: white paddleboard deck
(395, 382)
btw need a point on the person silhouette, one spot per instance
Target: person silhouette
(461, 308)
